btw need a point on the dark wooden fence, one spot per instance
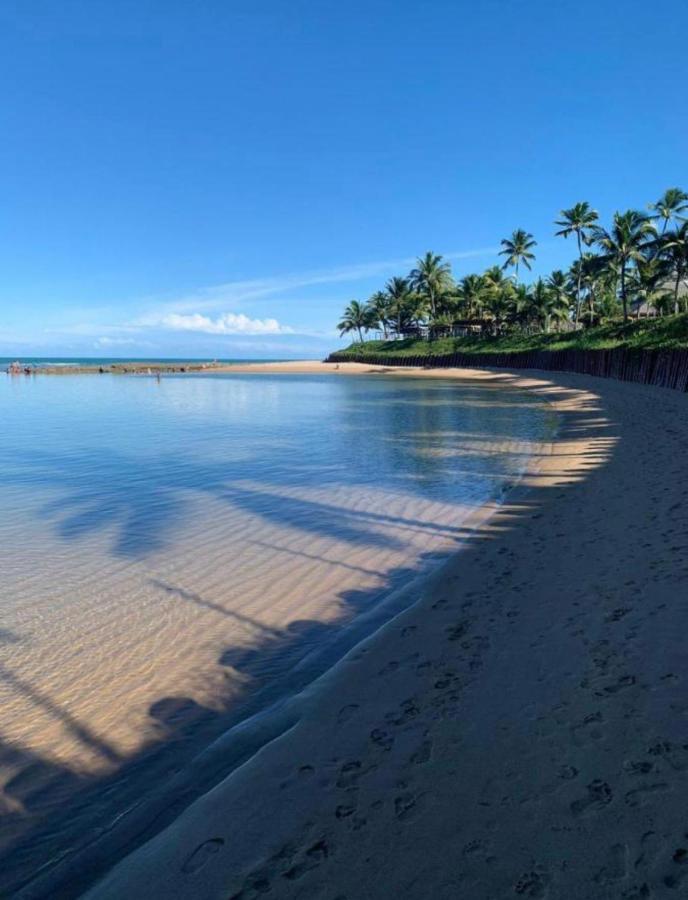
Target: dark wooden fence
(664, 368)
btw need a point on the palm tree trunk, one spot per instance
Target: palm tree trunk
(658, 244)
(676, 287)
(580, 274)
(360, 334)
(623, 291)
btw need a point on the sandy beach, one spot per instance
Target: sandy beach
(519, 731)
(317, 367)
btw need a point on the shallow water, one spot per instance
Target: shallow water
(171, 549)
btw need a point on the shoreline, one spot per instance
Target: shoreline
(294, 367)
(509, 743)
(659, 367)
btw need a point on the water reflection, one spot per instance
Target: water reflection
(179, 551)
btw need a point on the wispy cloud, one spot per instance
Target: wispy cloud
(232, 293)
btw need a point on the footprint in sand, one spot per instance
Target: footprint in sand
(639, 795)
(404, 805)
(351, 772)
(637, 892)
(456, 632)
(634, 767)
(383, 739)
(442, 602)
(422, 754)
(346, 712)
(675, 880)
(311, 859)
(409, 710)
(201, 855)
(588, 729)
(532, 884)
(625, 681)
(344, 810)
(676, 755)
(599, 796)
(615, 865)
(391, 666)
(618, 614)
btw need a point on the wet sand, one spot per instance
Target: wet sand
(519, 731)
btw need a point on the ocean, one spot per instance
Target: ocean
(43, 361)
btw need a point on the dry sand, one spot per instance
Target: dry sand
(521, 730)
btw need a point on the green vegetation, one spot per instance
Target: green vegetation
(639, 272)
(669, 333)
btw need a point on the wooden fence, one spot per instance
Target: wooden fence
(664, 368)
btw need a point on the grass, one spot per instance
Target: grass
(668, 333)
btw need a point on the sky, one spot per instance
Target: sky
(219, 178)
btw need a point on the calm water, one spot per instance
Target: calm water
(175, 554)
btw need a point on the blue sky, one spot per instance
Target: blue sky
(219, 178)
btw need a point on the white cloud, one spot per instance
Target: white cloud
(228, 323)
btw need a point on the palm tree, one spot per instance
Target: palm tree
(593, 272)
(541, 304)
(432, 278)
(517, 249)
(579, 220)
(670, 205)
(559, 307)
(495, 279)
(499, 294)
(379, 306)
(649, 285)
(403, 302)
(675, 248)
(471, 293)
(558, 286)
(519, 304)
(356, 318)
(623, 244)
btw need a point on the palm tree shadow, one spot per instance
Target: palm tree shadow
(142, 500)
